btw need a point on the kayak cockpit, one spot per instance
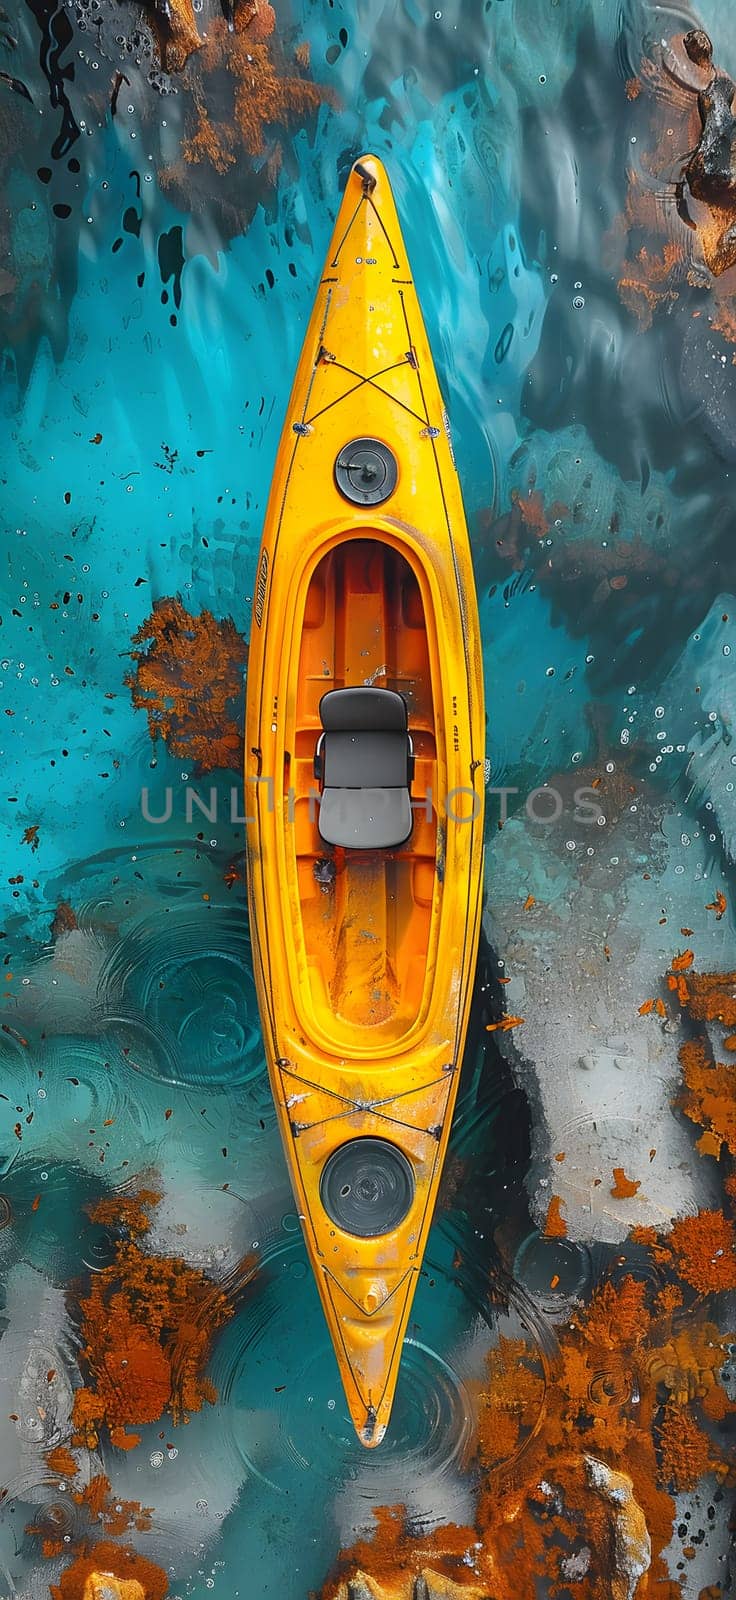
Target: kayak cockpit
(368, 890)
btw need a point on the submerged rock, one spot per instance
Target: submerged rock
(632, 1544)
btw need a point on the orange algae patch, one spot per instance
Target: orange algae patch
(641, 279)
(588, 1454)
(683, 962)
(268, 91)
(685, 1454)
(505, 1024)
(623, 1188)
(712, 997)
(115, 1515)
(701, 1249)
(176, 31)
(711, 1098)
(188, 679)
(668, 126)
(532, 512)
(132, 1576)
(62, 1461)
(147, 1327)
(555, 1226)
(65, 919)
(705, 1251)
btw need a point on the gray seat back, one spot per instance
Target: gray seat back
(365, 757)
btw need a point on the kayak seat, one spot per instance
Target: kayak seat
(364, 762)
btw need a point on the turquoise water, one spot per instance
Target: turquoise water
(509, 140)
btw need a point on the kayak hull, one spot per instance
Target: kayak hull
(364, 959)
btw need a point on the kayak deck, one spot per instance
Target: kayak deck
(364, 957)
(366, 915)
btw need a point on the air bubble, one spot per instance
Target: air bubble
(578, 303)
(659, 711)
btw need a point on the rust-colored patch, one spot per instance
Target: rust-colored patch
(623, 1188)
(65, 919)
(87, 1575)
(700, 1250)
(147, 1328)
(683, 202)
(712, 997)
(632, 1414)
(106, 1512)
(176, 31)
(504, 1025)
(555, 1226)
(116, 1516)
(705, 1251)
(269, 90)
(531, 511)
(685, 1454)
(31, 836)
(62, 1461)
(683, 962)
(189, 679)
(710, 1100)
(642, 282)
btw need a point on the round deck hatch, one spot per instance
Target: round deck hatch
(366, 472)
(367, 1187)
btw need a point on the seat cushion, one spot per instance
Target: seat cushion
(365, 760)
(365, 819)
(361, 707)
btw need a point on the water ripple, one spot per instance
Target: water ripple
(282, 1408)
(178, 997)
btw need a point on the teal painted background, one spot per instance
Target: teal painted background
(510, 143)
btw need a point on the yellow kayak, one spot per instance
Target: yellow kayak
(364, 790)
